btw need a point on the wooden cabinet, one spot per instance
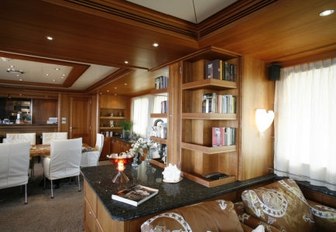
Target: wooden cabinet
(98, 219)
(119, 146)
(198, 156)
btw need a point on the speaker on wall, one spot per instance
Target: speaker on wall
(274, 72)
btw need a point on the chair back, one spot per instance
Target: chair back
(91, 158)
(20, 137)
(47, 137)
(99, 142)
(14, 164)
(65, 158)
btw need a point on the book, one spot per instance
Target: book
(135, 195)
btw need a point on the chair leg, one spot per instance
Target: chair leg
(51, 188)
(79, 186)
(26, 198)
(44, 182)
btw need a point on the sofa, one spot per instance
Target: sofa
(279, 206)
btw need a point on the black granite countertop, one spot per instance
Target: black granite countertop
(170, 196)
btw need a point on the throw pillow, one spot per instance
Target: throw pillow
(280, 204)
(324, 216)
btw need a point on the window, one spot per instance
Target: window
(141, 108)
(305, 124)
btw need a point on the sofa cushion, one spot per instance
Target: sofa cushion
(214, 216)
(280, 204)
(249, 220)
(325, 217)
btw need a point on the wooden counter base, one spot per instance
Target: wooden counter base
(97, 218)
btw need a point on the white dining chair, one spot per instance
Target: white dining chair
(91, 158)
(64, 161)
(14, 165)
(20, 137)
(47, 137)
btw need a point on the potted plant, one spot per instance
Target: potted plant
(126, 127)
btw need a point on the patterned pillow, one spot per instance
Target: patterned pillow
(280, 204)
(216, 215)
(325, 217)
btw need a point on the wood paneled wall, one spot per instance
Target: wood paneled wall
(256, 151)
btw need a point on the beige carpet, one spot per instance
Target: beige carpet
(63, 213)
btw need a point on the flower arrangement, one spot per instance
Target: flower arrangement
(140, 146)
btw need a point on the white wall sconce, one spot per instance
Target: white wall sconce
(263, 119)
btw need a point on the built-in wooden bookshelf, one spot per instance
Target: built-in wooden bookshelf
(198, 156)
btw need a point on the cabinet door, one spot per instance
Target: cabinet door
(80, 118)
(89, 218)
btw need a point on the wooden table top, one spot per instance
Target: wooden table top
(44, 149)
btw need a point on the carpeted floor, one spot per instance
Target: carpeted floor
(63, 213)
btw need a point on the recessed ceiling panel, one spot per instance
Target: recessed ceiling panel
(194, 11)
(32, 71)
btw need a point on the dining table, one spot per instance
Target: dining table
(44, 149)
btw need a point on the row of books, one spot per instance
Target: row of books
(161, 82)
(164, 107)
(223, 136)
(217, 103)
(221, 70)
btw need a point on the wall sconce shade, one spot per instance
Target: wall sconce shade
(264, 119)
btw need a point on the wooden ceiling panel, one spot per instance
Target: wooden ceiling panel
(280, 31)
(84, 37)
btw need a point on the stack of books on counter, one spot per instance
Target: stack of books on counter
(135, 195)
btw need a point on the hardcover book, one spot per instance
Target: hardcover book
(135, 195)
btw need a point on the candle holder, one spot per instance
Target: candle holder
(120, 177)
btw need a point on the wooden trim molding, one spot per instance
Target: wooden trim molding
(233, 13)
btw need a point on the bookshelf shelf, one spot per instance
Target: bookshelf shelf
(209, 84)
(158, 140)
(208, 150)
(163, 91)
(158, 115)
(209, 183)
(110, 128)
(209, 116)
(112, 118)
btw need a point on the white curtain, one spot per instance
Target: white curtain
(140, 115)
(305, 124)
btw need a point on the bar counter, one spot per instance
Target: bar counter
(171, 195)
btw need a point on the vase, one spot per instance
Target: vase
(126, 134)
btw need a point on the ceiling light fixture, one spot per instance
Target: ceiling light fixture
(126, 62)
(12, 69)
(155, 44)
(49, 37)
(326, 13)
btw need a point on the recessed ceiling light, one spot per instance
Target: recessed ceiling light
(155, 44)
(126, 62)
(108, 91)
(49, 37)
(57, 69)
(125, 83)
(47, 74)
(326, 13)
(20, 79)
(54, 80)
